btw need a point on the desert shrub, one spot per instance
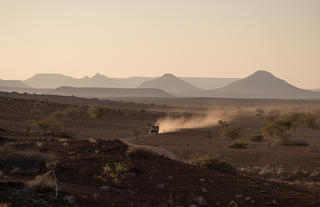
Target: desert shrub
(272, 115)
(140, 153)
(114, 173)
(212, 163)
(44, 181)
(72, 112)
(57, 114)
(231, 131)
(307, 120)
(49, 125)
(54, 127)
(260, 112)
(96, 112)
(239, 145)
(22, 161)
(278, 128)
(28, 125)
(296, 143)
(310, 121)
(257, 138)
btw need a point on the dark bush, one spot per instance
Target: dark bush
(301, 143)
(212, 163)
(141, 153)
(22, 161)
(239, 145)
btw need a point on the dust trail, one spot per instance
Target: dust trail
(172, 124)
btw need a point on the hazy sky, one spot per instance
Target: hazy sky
(121, 38)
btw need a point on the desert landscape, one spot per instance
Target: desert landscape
(192, 161)
(163, 103)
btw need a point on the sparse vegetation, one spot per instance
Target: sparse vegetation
(29, 124)
(70, 112)
(51, 167)
(272, 115)
(49, 125)
(260, 112)
(43, 181)
(278, 128)
(212, 163)
(229, 131)
(96, 112)
(115, 173)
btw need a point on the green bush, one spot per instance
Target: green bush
(212, 163)
(278, 128)
(239, 145)
(72, 112)
(96, 112)
(229, 131)
(54, 127)
(49, 125)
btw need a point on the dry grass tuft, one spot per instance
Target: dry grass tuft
(44, 181)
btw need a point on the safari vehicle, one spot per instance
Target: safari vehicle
(154, 129)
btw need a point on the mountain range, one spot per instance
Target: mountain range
(50, 80)
(261, 84)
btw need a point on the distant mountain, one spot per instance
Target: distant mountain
(261, 84)
(13, 83)
(48, 80)
(171, 84)
(55, 80)
(209, 83)
(108, 92)
(317, 90)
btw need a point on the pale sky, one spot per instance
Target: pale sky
(200, 38)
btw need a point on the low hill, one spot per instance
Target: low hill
(23, 90)
(13, 83)
(262, 84)
(171, 84)
(108, 92)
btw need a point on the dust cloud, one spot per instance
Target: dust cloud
(172, 124)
